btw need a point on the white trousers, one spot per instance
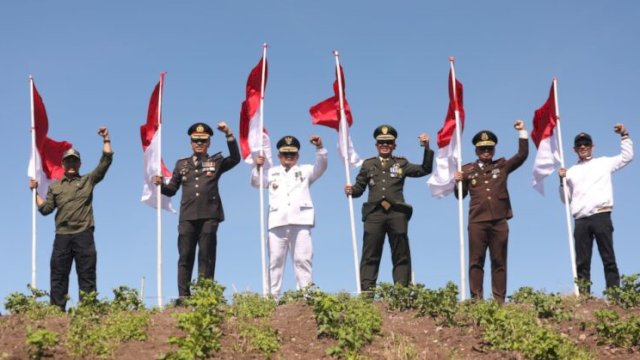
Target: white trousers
(297, 240)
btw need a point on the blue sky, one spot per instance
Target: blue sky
(95, 63)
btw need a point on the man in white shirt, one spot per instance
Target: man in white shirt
(590, 194)
(291, 213)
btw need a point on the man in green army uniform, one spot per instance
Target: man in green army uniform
(386, 212)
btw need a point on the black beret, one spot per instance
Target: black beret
(485, 138)
(385, 132)
(287, 144)
(200, 131)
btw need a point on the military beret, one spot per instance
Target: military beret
(385, 132)
(71, 152)
(288, 144)
(200, 131)
(582, 139)
(485, 138)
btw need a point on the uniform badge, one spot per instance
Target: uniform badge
(274, 186)
(495, 173)
(473, 182)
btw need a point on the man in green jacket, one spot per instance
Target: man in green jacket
(73, 197)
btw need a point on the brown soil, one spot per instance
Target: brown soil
(402, 334)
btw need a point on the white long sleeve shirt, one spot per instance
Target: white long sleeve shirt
(589, 181)
(289, 196)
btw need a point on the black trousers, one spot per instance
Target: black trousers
(67, 248)
(378, 224)
(600, 227)
(493, 235)
(203, 234)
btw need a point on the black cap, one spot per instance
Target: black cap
(200, 131)
(485, 138)
(385, 132)
(582, 139)
(288, 144)
(71, 152)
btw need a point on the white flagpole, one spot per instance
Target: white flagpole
(33, 191)
(567, 210)
(264, 241)
(463, 276)
(159, 196)
(343, 147)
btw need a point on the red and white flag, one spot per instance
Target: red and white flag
(152, 152)
(327, 113)
(546, 141)
(45, 164)
(442, 182)
(250, 118)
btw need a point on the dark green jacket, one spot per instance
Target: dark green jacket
(387, 182)
(74, 199)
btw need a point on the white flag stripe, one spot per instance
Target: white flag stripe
(546, 162)
(347, 150)
(441, 181)
(39, 175)
(149, 193)
(254, 141)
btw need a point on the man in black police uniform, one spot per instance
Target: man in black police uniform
(386, 212)
(200, 208)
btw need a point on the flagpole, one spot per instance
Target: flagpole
(159, 196)
(266, 276)
(565, 192)
(343, 146)
(463, 277)
(34, 191)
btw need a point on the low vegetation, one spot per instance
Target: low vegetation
(532, 325)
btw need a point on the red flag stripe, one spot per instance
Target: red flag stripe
(544, 119)
(251, 104)
(327, 112)
(50, 150)
(455, 103)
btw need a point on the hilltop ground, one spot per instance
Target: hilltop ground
(403, 336)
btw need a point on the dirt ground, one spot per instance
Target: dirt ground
(402, 334)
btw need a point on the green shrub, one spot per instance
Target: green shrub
(30, 306)
(201, 323)
(547, 306)
(628, 294)
(261, 337)
(252, 305)
(351, 321)
(441, 304)
(97, 328)
(615, 331)
(513, 328)
(40, 343)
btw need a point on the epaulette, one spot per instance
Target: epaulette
(216, 156)
(399, 157)
(467, 167)
(371, 158)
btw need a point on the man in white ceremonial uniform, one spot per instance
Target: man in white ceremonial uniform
(291, 212)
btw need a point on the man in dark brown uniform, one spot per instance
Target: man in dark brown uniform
(489, 209)
(200, 208)
(386, 212)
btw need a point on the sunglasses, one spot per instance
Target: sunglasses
(581, 144)
(199, 141)
(385, 142)
(485, 148)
